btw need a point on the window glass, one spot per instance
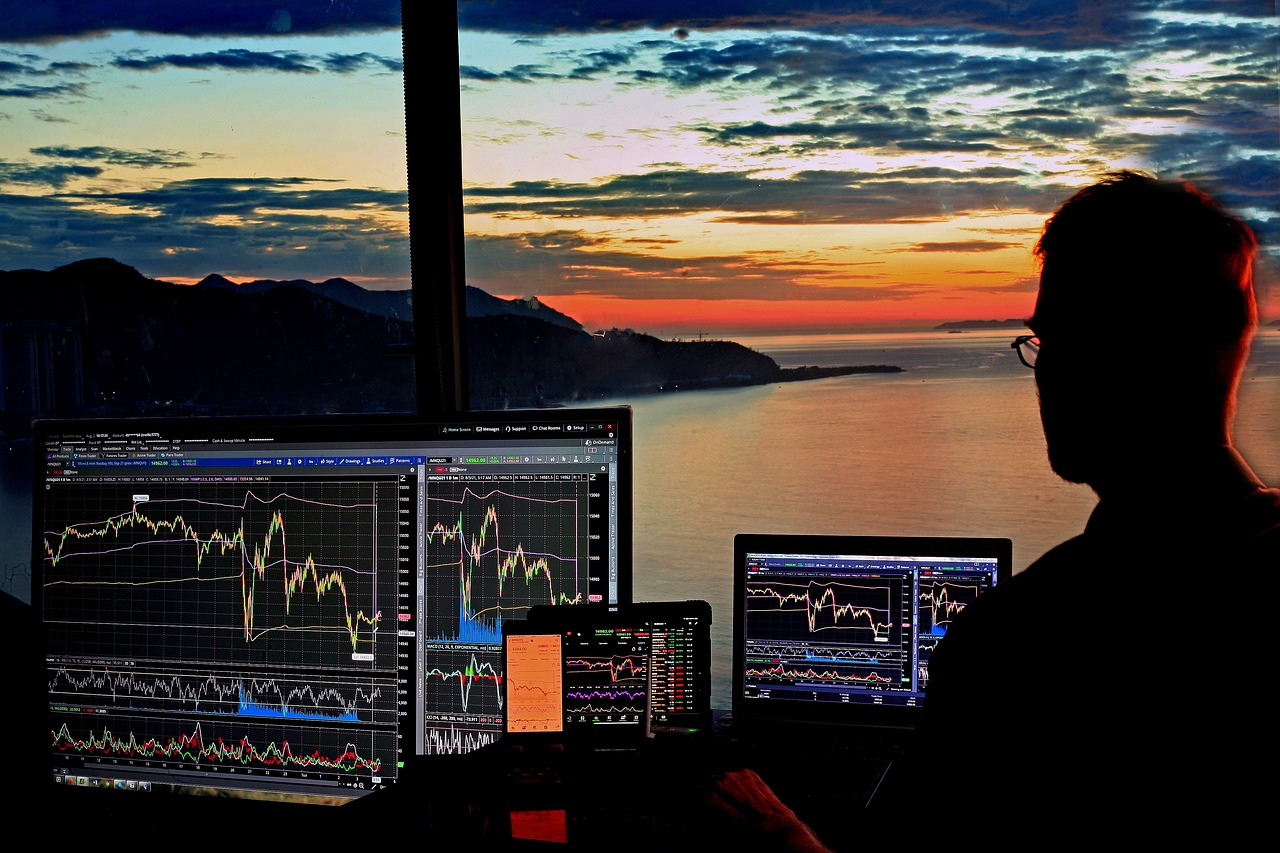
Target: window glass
(205, 211)
(704, 214)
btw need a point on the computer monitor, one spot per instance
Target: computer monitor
(291, 608)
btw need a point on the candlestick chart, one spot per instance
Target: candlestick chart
(496, 549)
(291, 574)
(495, 546)
(940, 600)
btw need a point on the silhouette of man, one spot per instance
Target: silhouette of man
(1114, 671)
(1123, 670)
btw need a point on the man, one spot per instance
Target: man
(1127, 669)
(1122, 667)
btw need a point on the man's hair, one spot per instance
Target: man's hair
(1150, 257)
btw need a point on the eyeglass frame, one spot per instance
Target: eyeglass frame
(1022, 340)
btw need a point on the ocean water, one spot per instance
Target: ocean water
(950, 446)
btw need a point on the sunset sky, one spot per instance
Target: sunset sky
(675, 167)
(794, 164)
(255, 140)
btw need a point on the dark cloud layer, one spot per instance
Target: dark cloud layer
(1046, 21)
(237, 59)
(47, 21)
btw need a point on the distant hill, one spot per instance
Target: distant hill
(96, 337)
(517, 359)
(397, 304)
(966, 325)
(482, 304)
(121, 343)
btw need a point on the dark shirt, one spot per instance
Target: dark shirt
(1127, 668)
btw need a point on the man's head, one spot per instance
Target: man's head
(1145, 314)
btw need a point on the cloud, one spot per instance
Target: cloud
(805, 198)
(47, 22)
(960, 246)
(1040, 18)
(568, 262)
(241, 59)
(153, 158)
(55, 176)
(249, 227)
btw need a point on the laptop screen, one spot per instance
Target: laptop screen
(291, 608)
(840, 628)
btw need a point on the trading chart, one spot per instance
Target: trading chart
(230, 623)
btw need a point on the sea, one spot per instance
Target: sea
(951, 445)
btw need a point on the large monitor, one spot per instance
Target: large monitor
(293, 608)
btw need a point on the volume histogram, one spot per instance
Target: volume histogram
(287, 573)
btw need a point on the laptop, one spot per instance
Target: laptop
(831, 642)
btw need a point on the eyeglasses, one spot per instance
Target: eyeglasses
(1027, 347)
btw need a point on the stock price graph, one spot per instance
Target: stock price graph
(835, 632)
(495, 545)
(606, 675)
(176, 743)
(224, 625)
(862, 611)
(937, 603)
(265, 697)
(295, 572)
(496, 548)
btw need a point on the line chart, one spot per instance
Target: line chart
(332, 700)
(284, 574)
(177, 742)
(495, 549)
(606, 675)
(827, 675)
(940, 601)
(464, 682)
(453, 739)
(535, 685)
(857, 610)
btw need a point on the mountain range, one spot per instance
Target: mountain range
(96, 337)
